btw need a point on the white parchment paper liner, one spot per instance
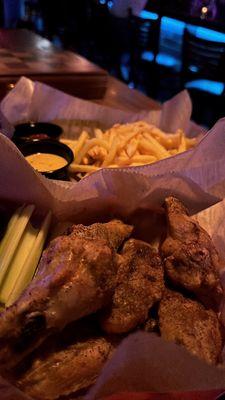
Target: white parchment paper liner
(36, 101)
(196, 177)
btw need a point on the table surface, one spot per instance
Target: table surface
(23, 52)
(119, 95)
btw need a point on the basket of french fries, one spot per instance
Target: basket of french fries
(101, 137)
(125, 145)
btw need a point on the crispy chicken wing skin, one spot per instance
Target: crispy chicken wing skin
(140, 284)
(66, 362)
(191, 260)
(114, 232)
(66, 371)
(78, 279)
(188, 323)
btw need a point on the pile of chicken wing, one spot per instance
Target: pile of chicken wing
(96, 284)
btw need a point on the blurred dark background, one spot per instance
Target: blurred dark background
(157, 46)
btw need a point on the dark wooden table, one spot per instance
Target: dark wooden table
(23, 53)
(119, 95)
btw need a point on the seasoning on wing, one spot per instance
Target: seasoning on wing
(114, 232)
(191, 260)
(140, 285)
(188, 323)
(75, 368)
(77, 277)
(65, 363)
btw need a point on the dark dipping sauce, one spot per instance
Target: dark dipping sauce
(38, 136)
(34, 131)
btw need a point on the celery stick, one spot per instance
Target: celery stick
(9, 250)
(23, 249)
(10, 230)
(31, 262)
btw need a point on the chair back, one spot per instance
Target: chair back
(202, 58)
(144, 34)
(144, 47)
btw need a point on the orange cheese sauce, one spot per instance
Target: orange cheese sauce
(44, 162)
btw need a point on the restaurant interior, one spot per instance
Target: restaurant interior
(159, 49)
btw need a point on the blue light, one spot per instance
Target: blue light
(102, 1)
(148, 15)
(173, 25)
(207, 34)
(166, 60)
(125, 72)
(205, 85)
(131, 85)
(193, 68)
(147, 56)
(110, 4)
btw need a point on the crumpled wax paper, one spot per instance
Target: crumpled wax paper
(196, 177)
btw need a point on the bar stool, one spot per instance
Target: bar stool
(203, 72)
(144, 47)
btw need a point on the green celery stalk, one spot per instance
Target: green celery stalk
(11, 245)
(22, 252)
(10, 230)
(31, 262)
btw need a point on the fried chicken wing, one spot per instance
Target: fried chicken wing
(66, 362)
(140, 284)
(77, 276)
(191, 260)
(114, 232)
(61, 372)
(188, 323)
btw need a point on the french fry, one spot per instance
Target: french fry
(97, 153)
(82, 168)
(169, 141)
(132, 147)
(88, 145)
(156, 132)
(80, 143)
(152, 147)
(112, 166)
(190, 142)
(121, 161)
(124, 145)
(136, 164)
(122, 153)
(85, 161)
(173, 152)
(182, 145)
(127, 138)
(112, 153)
(98, 133)
(143, 159)
(112, 135)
